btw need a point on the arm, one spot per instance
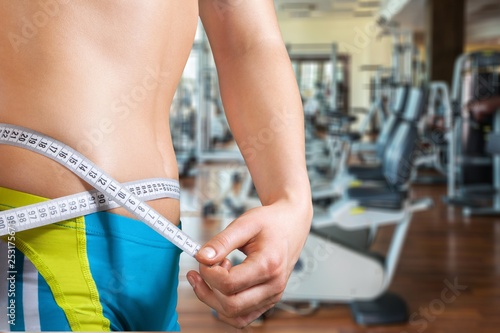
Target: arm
(264, 111)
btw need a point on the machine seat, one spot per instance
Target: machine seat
(351, 136)
(373, 173)
(378, 197)
(338, 115)
(346, 136)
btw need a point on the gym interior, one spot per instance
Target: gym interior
(401, 104)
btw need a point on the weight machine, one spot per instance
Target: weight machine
(473, 175)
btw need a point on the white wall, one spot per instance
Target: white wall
(355, 36)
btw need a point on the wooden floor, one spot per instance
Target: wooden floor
(441, 246)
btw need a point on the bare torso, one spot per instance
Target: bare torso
(99, 76)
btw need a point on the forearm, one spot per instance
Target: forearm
(264, 111)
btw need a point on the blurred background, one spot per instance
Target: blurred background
(401, 105)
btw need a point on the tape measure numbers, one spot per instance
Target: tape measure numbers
(84, 203)
(113, 191)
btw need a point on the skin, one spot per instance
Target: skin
(100, 77)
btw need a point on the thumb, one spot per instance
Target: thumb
(235, 236)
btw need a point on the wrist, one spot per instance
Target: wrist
(296, 198)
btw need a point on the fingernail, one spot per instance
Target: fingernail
(191, 281)
(207, 252)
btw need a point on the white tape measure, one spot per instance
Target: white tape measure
(84, 203)
(115, 193)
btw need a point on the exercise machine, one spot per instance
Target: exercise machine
(406, 108)
(182, 127)
(470, 166)
(214, 140)
(432, 164)
(333, 270)
(336, 265)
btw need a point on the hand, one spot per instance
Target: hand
(272, 237)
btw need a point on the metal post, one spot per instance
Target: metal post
(333, 92)
(408, 56)
(453, 126)
(396, 58)
(202, 107)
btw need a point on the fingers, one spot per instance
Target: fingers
(238, 309)
(233, 237)
(226, 264)
(243, 292)
(240, 294)
(256, 269)
(217, 289)
(243, 321)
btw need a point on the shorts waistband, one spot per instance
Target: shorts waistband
(101, 223)
(13, 199)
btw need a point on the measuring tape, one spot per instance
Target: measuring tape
(115, 193)
(84, 203)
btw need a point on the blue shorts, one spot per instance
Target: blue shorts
(99, 272)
